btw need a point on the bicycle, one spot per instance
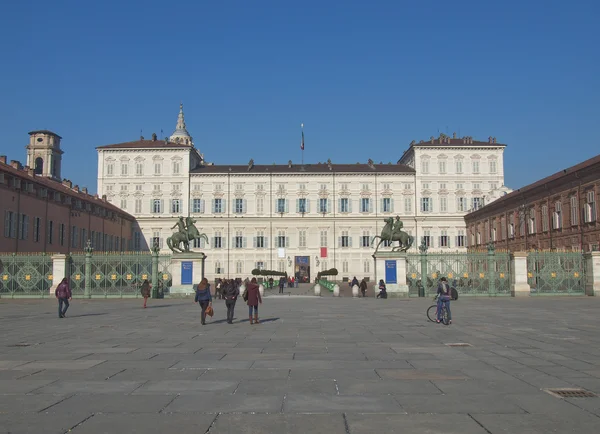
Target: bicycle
(432, 312)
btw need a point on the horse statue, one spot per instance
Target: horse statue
(393, 232)
(187, 232)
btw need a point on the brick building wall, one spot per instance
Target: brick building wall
(557, 212)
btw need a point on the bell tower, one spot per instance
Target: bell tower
(44, 155)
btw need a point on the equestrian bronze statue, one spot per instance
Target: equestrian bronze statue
(187, 232)
(393, 232)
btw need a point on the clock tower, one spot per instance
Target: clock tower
(44, 154)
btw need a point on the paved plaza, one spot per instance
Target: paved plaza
(314, 365)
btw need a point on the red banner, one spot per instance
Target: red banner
(323, 252)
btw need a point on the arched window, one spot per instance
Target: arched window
(39, 166)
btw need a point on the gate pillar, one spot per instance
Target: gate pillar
(592, 273)
(59, 270)
(518, 275)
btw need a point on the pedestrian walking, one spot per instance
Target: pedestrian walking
(203, 298)
(63, 294)
(382, 289)
(145, 290)
(231, 292)
(253, 298)
(363, 287)
(281, 283)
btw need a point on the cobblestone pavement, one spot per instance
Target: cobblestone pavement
(314, 365)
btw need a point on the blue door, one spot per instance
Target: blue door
(187, 271)
(390, 272)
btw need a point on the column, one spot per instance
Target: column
(59, 270)
(518, 275)
(592, 276)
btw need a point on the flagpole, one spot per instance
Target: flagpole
(302, 143)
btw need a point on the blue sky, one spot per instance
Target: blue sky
(365, 77)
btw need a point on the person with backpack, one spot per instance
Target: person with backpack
(231, 292)
(252, 297)
(444, 295)
(63, 294)
(203, 298)
(145, 290)
(363, 287)
(382, 289)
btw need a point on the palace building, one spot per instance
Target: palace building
(44, 214)
(299, 217)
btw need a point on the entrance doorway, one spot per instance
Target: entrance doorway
(302, 269)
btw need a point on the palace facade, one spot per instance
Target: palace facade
(557, 212)
(292, 217)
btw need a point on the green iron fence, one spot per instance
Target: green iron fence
(556, 273)
(25, 275)
(76, 267)
(471, 273)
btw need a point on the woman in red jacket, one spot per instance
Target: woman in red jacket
(253, 299)
(63, 294)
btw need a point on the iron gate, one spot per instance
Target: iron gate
(556, 273)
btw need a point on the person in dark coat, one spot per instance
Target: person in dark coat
(231, 292)
(204, 298)
(363, 287)
(63, 294)
(444, 295)
(281, 284)
(354, 282)
(145, 290)
(254, 299)
(382, 289)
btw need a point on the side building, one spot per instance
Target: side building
(43, 214)
(557, 212)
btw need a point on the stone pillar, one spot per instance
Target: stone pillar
(181, 288)
(592, 277)
(317, 289)
(59, 270)
(518, 275)
(391, 267)
(355, 291)
(87, 293)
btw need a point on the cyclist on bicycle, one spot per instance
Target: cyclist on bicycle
(444, 296)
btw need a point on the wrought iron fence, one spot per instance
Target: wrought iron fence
(25, 275)
(556, 273)
(76, 265)
(470, 273)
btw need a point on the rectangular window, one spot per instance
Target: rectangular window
(139, 169)
(365, 204)
(408, 205)
(50, 231)
(73, 237)
(345, 239)
(156, 239)
(157, 168)
(425, 166)
(557, 216)
(10, 224)
(475, 166)
(83, 238)
(123, 204)
(407, 187)
(23, 227)
(239, 240)
(281, 241)
(239, 206)
(459, 186)
(137, 241)
(110, 169)
(124, 188)
(532, 222)
(476, 203)
(197, 205)
(302, 205)
(138, 206)
(459, 166)
(124, 169)
(476, 186)
(322, 205)
(574, 211)
(365, 187)
(426, 204)
(36, 229)
(157, 206)
(444, 240)
(344, 204)
(365, 239)
(260, 205)
(176, 167)
(217, 206)
(301, 238)
(427, 238)
(493, 186)
(387, 204)
(218, 241)
(281, 205)
(442, 166)
(460, 238)
(590, 207)
(461, 204)
(61, 234)
(139, 187)
(175, 206)
(493, 166)
(443, 204)
(260, 242)
(442, 185)
(323, 239)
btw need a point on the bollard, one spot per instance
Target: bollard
(317, 289)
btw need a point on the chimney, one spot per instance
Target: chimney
(85, 190)
(3, 159)
(15, 164)
(141, 137)
(454, 135)
(76, 188)
(154, 137)
(104, 198)
(67, 183)
(96, 196)
(490, 139)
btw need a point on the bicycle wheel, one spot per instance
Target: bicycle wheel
(454, 293)
(431, 313)
(445, 319)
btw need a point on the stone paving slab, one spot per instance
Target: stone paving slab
(317, 365)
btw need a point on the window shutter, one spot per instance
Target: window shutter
(381, 205)
(275, 208)
(6, 224)
(307, 205)
(254, 242)
(349, 205)
(244, 206)
(339, 205)
(224, 204)
(287, 241)
(339, 241)
(266, 242)
(213, 205)
(152, 205)
(26, 227)
(328, 205)
(214, 241)
(297, 205)
(370, 205)
(244, 242)
(286, 205)
(162, 205)
(392, 205)
(349, 241)
(202, 206)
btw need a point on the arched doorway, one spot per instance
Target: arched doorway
(39, 166)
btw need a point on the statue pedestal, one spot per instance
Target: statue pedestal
(391, 267)
(187, 270)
